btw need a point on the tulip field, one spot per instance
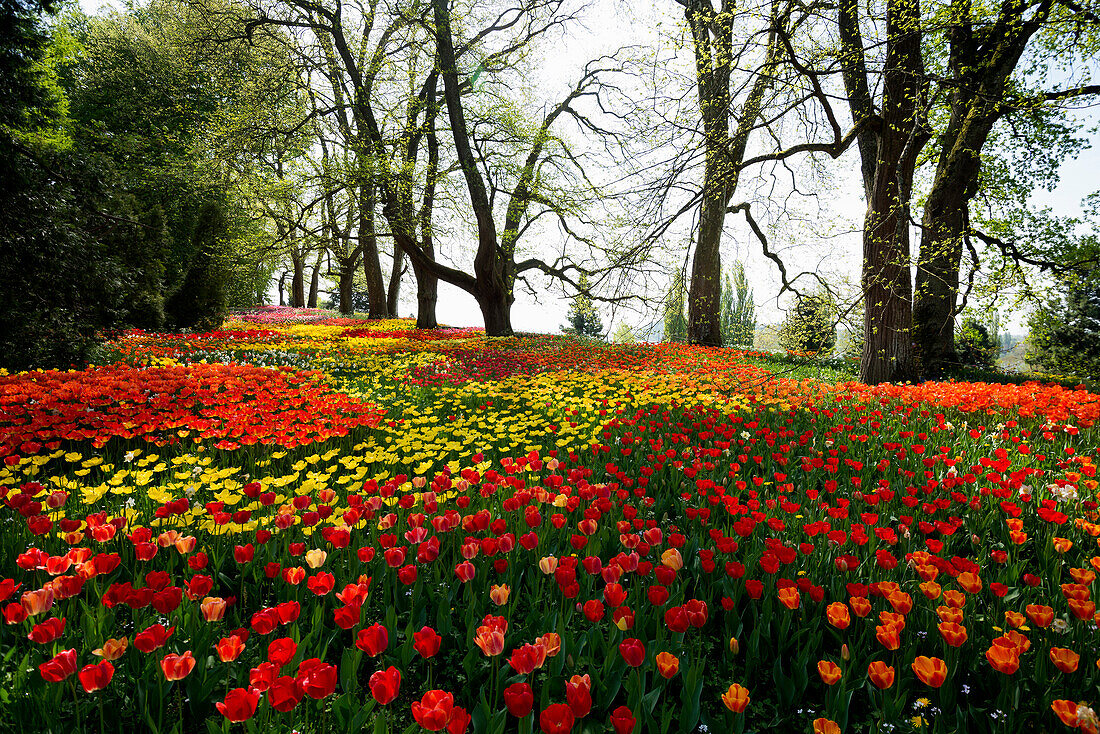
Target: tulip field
(317, 524)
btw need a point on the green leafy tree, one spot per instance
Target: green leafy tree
(1065, 332)
(811, 325)
(584, 319)
(623, 334)
(975, 345)
(738, 317)
(676, 324)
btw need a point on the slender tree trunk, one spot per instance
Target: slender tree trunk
(315, 280)
(887, 283)
(282, 288)
(297, 283)
(368, 244)
(347, 282)
(394, 295)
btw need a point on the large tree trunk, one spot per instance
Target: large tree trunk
(982, 69)
(711, 40)
(496, 309)
(887, 283)
(493, 289)
(298, 282)
(427, 293)
(315, 280)
(368, 244)
(347, 282)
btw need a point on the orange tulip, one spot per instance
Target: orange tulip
(892, 619)
(861, 606)
(970, 582)
(837, 614)
(229, 648)
(668, 665)
(112, 649)
(1062, 544)
(1016, 640)
(1003, 659)
(37, 601)
(551, 642)
(736, 698)
(1066, 711)
(790, 597)
(1015, 619)
(881, 674)
(953, 634)
(954, 598)
(901, 602)
(931, 671)
(829, 672)
(213, 608)
(950, 614)
(1065, 660)
(490, 640)
(672, 559)
(931, 589)
(888, 636)
(499, 594)
(825, 726)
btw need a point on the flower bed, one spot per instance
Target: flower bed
(540, 534)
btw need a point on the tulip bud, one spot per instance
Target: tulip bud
(735, 646)
(845, 653)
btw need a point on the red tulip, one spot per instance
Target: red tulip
(578, 695)
(59, 667)
(281, 651)
(519, 699)
(348, 616)
(177, 667)
(633, 652)
(95, 677)
(152, 637)
(373, 640)
(557, 718)
(48, 631)
(229, 648)
(316, 678)
(622, 720)
(426, 642)
(434, 710)
(384, 685)
(284, 694)
(240, 704)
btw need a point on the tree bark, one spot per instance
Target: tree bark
(981, 71)
(315, 280)
(298, 281)
(368, 243)
(347, 282)
(713, 56)
(886, 280)
(394, 295)
(493, 289)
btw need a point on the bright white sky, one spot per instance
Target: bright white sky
(831, 243)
